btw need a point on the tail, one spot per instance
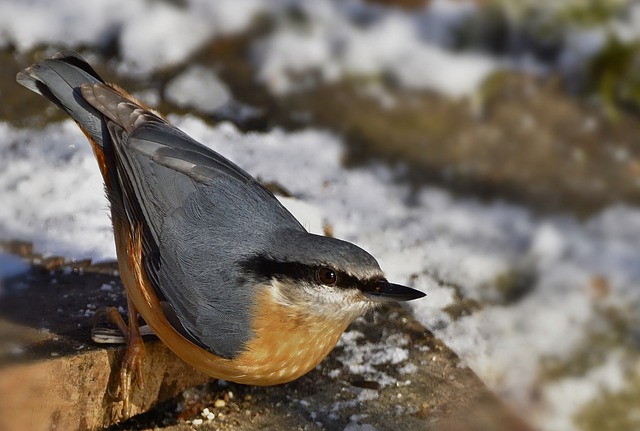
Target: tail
(105, 113)
(59, 79)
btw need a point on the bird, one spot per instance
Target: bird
(225, 276)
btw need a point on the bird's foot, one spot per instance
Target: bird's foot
(131, 367)
(130, 371)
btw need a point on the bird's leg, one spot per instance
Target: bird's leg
(132, 362)
(129, 245)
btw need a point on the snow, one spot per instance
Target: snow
(27, 24)
(362, 357)
(52, 192)
(151, 35)
(199, 88)
(334, 44)
(227, 16)
(156, 35)
(332, 39)
(164, 35)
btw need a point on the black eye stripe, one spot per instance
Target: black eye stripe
(267, 269)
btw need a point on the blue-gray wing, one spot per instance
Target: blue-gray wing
(202, 215)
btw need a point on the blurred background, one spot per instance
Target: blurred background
(487, 151)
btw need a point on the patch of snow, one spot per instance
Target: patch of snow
(68, 23)
(52, 192)
(199, 88)
(164, 35)
(334, 43)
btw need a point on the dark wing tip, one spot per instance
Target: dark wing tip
(75, 59)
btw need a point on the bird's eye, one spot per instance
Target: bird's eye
(327, 276)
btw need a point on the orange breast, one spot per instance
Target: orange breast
(288, 343)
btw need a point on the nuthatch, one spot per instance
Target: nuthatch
(225, 276)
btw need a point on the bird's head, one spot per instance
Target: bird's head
(329, 277)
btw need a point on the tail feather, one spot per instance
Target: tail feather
(59, 79)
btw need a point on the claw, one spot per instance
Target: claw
(131, 368)
(130, 371)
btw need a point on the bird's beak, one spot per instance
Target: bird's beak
(385, 291)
